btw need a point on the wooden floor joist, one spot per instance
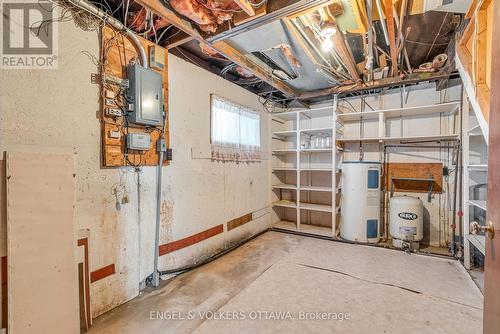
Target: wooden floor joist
(345, 54)
(392, 36)
(178, 40)
(246, 6)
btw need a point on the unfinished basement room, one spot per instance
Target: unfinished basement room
(250, 166)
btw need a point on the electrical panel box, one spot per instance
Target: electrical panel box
(146, 94)
(139, 141)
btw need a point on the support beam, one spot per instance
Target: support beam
(178, 40)
(389, 15)
(345, 54)
(158, 8)
(246, 6)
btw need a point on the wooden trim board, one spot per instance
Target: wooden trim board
(237, 222)
(4, 292)
(85, 243)
(101, 273)
(191, 240)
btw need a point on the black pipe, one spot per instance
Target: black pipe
(416, 146)
(211, 258)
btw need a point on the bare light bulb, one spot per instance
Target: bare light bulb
(327, 44)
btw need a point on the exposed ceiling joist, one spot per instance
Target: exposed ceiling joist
(246, 6)
(178, 40)
(157, 7)
(346, 55)
(389, 15)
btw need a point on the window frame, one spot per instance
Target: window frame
(239, 146)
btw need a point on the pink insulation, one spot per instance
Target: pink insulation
(206, 14)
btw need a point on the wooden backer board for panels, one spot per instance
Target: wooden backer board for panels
(414, 170)
(120, 52)
(43, 284)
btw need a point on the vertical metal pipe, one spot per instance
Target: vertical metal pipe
(369, 57)
(155, 278)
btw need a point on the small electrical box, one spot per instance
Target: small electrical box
(168, 154)
(146, 93)
(156, 57)
(138, 141)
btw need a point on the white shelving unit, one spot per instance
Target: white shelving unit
(302, 178)
(390, 126)
(475, 172)
(296, 198)
(382, 116)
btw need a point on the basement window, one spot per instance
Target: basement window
(235, 131)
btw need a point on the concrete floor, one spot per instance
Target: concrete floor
(281, 283)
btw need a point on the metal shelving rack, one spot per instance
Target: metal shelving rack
(301, 157)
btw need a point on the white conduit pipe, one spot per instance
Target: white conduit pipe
(83, 4)
(382, 22)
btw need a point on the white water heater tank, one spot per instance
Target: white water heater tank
(406, 219)
(360, 204)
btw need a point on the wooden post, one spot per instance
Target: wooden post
(392, 40)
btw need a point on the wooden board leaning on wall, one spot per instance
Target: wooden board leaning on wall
(117, 51)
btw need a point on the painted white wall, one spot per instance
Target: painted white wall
(55, 111)
(204, 193)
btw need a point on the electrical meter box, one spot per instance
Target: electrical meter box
(146, 95)
(138, 141)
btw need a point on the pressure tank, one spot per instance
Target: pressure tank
(360, 204)
(406, 224)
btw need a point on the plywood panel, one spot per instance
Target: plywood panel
(414, 170)
(43, 285)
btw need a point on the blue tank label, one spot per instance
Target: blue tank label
(372, 228)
